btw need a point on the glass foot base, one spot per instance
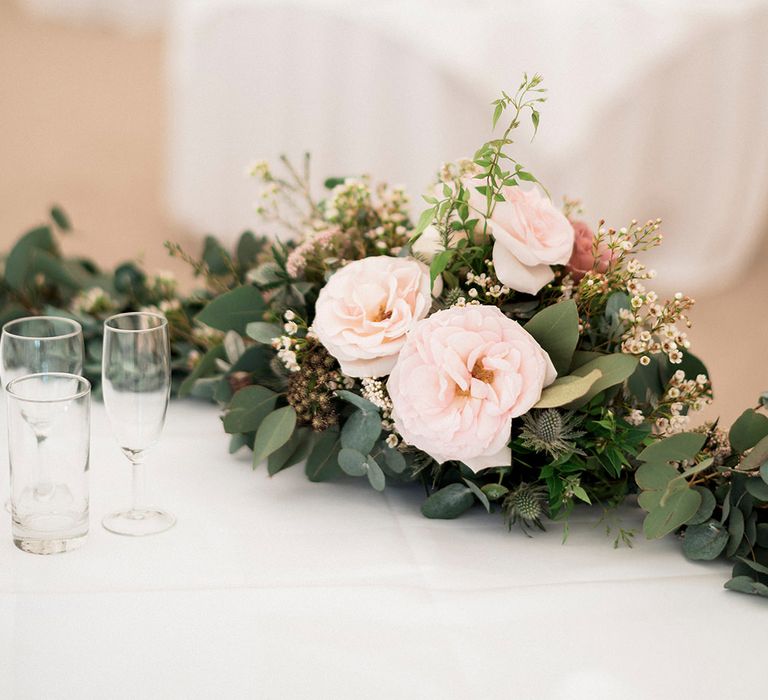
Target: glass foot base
(138, 523)
(35, 546)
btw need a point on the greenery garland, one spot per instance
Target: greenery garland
(612, 426)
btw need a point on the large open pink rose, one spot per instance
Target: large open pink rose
(462, 376)
(530, 235)
(364, 311)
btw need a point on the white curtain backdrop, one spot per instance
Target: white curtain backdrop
(656, 108)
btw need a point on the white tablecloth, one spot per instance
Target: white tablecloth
(280, 588)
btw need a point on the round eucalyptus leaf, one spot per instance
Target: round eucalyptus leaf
(705, 541)
(449, 502)
(361, 431)
(375, 475)
(706, 508)
(352, 462)
(735, 530)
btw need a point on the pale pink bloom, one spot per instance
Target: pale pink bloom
(530, 235)
(461, 378)
(366, 308)
(583, 257)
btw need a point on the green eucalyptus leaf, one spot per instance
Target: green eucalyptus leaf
(735, 530)
(248, 408)
(754, 565)
(705, 541)
(322, 463)
(582, 357)
(361, 431)
(60, 218)
(248, 249)
(556, 329)
(566, 389)
(615, 369)
(236, 442)
(274, 431)
(680, 506)
(749, 429)
(475, 489)
(357, 401)
(215, 257)
(376, 476)
(654, 478)
(352, 462)
(746, 584)
(293, 452)
(20, 260)
(756, 457)
(707, 507)
(263, 332)
(757, 488)
(234, 310)
(204, 368)
(394, 460)
(762, 535)
(675, 448)
(449, 502)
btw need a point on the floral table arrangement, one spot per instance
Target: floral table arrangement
(499, 352)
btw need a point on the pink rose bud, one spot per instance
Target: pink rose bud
(583, 258)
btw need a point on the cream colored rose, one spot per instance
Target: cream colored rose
(365, 310)
(530, 235)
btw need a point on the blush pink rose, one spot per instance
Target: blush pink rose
(366, 308)
(530, 235)
(461, 378)
(583, 257)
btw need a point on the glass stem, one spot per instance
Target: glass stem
(137, 478)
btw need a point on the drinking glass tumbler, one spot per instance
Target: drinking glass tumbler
(136, 383)
(37, 344)
(48, 446)
(40, 344)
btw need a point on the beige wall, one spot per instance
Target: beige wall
(82, 123)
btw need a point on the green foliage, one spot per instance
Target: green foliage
(556, 329)
(248, 408)
(749, 429)
(234, 310)
(449, 502)
(274, 431)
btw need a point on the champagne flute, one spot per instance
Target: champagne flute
(40, 345)
(136, 384)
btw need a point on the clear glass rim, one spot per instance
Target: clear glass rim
(85, 387)
(76, 330)
(163, 322)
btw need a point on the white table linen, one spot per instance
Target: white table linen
(280, 588)
(655, 108)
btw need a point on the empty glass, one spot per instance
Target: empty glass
(38, 344)
(48, 447)
(136, 383)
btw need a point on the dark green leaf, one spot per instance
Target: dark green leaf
(449, 502)
(248, 408)
(376, 476)
(352, 462)
(263, 332)
(556, 329)
(233, 311)
(756, 457)
(757, 488)
(707, 507)
(676, 448)
(735, 530)
(21, 257)
(358, 401)
(439, 263)
(205, 367)
(293, 452)
(215, 257)
(361, 431)
(705, 541)
(746, 584)
(322, 463)
(394, 460)
(60, 218)
(248, 249)
(475, 489)
(275, 430)
(749, 429)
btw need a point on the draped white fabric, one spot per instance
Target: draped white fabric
(280, 588)
(655, 109)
